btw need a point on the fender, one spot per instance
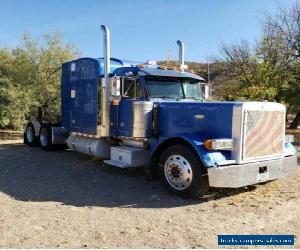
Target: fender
(210, 158)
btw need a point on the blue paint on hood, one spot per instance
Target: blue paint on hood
(208, 119)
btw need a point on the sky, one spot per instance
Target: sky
(140, 29)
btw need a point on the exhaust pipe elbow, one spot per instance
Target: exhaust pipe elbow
(106, 50)
(105, 93)
(104, 28)
(181, 53)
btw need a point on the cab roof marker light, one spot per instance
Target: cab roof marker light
(141, 66)
(219, 144)
(151, 62)
(163, 66)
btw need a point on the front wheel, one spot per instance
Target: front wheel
(183, 173)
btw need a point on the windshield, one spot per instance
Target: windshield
(174, 88)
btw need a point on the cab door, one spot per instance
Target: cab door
(121, 117)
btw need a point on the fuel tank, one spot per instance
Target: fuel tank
(89, 146)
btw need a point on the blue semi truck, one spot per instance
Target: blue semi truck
(146, 115)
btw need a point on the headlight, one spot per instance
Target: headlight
(219, 144)
(289, 138)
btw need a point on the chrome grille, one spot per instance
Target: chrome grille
(263, 134)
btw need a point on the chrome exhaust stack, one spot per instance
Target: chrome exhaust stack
(182, 66)
(105, 91)
(106, 51)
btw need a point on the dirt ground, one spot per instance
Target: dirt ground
(64, 199)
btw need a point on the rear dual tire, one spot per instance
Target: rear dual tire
(29, 136)
(45, 138)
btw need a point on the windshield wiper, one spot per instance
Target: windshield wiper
(193, 98)
(164, 97)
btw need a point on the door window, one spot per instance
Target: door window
(132, 88)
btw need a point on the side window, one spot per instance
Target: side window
(132, 88)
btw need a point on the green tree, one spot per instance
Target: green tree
(13, 98)
(270, 70)
(281, 45)
(30, 79)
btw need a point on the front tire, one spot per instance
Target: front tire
(183, 173)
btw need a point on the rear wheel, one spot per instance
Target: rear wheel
(183, 173)
(29, 136)
(46, 138)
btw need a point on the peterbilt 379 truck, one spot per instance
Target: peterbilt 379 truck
(133, 115)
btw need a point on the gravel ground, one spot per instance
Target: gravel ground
(64, 199)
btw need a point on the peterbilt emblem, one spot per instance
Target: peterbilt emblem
(199, 117)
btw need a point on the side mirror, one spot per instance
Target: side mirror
(115, 86)
(206, 91)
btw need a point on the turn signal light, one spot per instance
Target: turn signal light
(115, 102)
(219, 144)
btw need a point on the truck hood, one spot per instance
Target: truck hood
(209, 119)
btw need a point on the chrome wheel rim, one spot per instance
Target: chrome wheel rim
(44, 137)
(178, 172)
(29, 134)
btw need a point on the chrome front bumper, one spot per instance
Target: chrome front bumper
(234, 176)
